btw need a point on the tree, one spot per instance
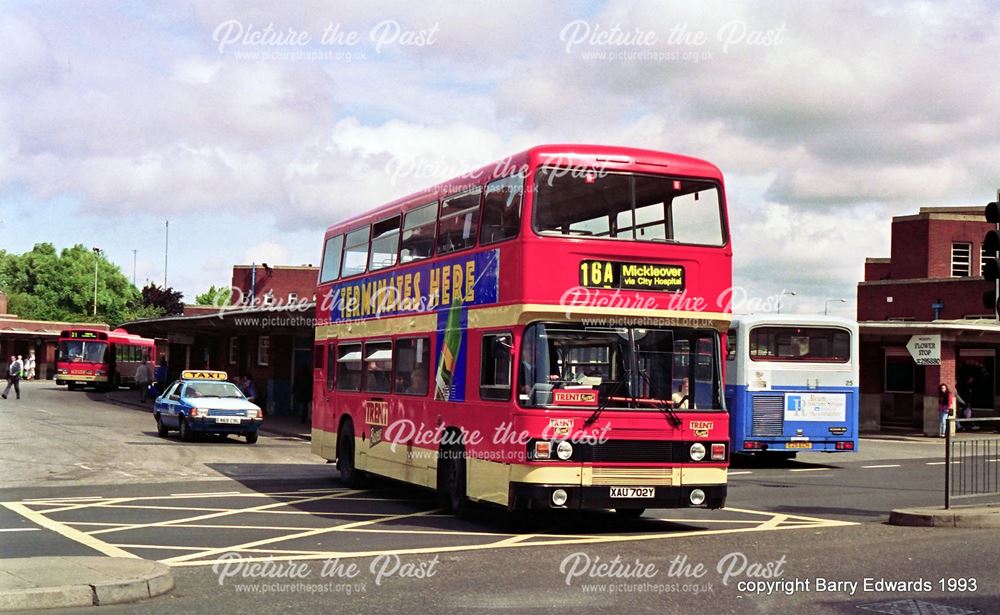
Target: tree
(44, 284)
(168, 300)
(217, 296)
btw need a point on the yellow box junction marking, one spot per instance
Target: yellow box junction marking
(267, 548)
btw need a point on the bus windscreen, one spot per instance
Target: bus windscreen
(628, 207)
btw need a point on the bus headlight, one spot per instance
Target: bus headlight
(697, 497)
(564, 450)
(697, 451)
(559, 497)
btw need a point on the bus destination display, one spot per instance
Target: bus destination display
(631, 276)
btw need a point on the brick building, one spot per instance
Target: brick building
(27, 337)
(269, 339)
(930, 285)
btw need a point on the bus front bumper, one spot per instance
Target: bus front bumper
(534, 496)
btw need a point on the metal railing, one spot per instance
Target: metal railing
(972, 463)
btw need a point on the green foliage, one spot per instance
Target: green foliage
(169, 301)
(217, 296)
(47, 285)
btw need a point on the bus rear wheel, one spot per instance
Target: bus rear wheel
(452, 479)
(349, 473)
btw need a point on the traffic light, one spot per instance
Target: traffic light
(991, 258)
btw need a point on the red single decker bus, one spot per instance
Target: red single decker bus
(100, 358)
(543, 332)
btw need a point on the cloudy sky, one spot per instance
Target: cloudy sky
(252, 126)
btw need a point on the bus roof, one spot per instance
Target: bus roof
(118, 336)
(586, 156)
(792, 320)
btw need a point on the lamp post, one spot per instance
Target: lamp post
(782, 294)
(97, 260)
(826, 305)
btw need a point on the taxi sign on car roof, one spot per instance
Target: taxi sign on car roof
(191, 374)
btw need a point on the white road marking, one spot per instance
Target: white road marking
(883, 466)
(20, 529)
(206, 495)
(741, 472)
(941, 463)
(811, 470)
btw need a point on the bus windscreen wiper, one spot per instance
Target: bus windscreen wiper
(626, 376)
(662, 404)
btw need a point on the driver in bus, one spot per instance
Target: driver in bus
(680, 398)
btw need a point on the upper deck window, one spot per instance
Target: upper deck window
(418, 233)
(356, 251)
(458, 224)
(628, 206)
(800, 344)
(385, 244)
(502, 210)
(331, 259)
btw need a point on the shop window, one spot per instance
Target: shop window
(899, 375)
(264, 350)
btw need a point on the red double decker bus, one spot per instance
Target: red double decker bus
(543, 332)
(105, 359)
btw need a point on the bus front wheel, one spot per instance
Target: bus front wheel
(630, 513)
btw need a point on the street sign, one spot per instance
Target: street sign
(925, 349)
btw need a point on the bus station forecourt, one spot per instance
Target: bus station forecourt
(541, 335)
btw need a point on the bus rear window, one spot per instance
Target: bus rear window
(802, 344)
(627, 206)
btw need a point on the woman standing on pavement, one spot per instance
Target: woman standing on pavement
(946, 408)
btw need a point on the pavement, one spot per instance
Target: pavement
(967, 517)
(69, 582)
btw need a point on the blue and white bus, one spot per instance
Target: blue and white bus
(792, 384)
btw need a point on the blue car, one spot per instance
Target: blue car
(204, 402)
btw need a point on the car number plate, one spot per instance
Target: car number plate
(799, 445)
(228, 419)
(633, 492)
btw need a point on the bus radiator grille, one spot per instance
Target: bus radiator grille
(648, 451)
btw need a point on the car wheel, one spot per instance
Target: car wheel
(349, 473)
(161, 429)
(251, 437)
(186, 434)
(451, 479)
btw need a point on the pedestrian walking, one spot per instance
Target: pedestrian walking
(144, 378)
(14, 377)
(29, 367)
(946, 408)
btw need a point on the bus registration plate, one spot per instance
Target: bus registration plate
(229, 420)
(633, 492)
(799, 445)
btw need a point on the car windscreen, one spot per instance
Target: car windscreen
(224, 390)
